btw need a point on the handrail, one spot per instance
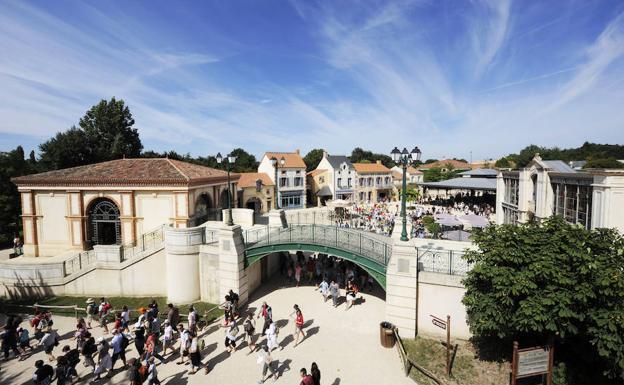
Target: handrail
(450, 262)
(408, 363)
(375, 249)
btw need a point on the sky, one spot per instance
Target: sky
(468, 79)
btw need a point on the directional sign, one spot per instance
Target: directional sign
(439, 322)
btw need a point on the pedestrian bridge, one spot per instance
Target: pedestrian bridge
(367, 250)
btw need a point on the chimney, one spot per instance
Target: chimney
(297, 151)
(325, 154)
(378, 161)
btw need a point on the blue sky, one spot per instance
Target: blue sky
(452, 77)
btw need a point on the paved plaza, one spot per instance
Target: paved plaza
(344, 344)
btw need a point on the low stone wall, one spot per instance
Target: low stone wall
(440, 295)
(243, 217)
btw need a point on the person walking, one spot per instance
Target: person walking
(167, 337)
(306, 379)
(350, 295)
(43, 373)
(89, 348)
(72, 356)
(324, 289)
(151, 347)
(267, 313)
(119, 348)
(139, 340)
(298, 273)
(192, 320)
(104, 362)
(271, 334)
(173, 315)
(49, 341)
(298, 324)
(230, 335)
(125, 318)
(265, 359)
(195, 355)
(250, 328)
(103, 310)
(9, 341)
(185, 342)
(152, 373)
(334, 290)
(316, 374)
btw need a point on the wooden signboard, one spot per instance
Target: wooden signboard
(445, 325)
(530, 362)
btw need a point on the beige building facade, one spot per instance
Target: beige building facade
(256, 191)
(114, 202)
(374, 182)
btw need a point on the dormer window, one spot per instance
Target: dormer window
(259, 185)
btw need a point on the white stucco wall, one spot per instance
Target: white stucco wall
(53, 226)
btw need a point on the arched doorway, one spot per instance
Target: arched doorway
(255, 204)
(204, 210)
(104, 224)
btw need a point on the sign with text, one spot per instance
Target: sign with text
(534, 361)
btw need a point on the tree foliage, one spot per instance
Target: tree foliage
(12, 164)
(436, 174)
(503, 163)
(587, 151)
(105, 132)
(604, 163)
(551, 281)
(313, 158)
(359, 155)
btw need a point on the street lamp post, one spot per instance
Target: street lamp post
(277, 164)
(229, 162)
(404, 158)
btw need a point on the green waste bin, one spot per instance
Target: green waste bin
(386, 334)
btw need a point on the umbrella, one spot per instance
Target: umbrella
(339, 203)
(448, 220)
(456, 235)
(475, 220)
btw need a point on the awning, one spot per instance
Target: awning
(488, 184)
(324, 192)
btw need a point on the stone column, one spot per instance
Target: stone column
(401, 288)
(181, 208)
(29, 223)
(182, 263)
(231, 268)
(277, 218)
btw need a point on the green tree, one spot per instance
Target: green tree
(551, 281)
(412, 194)
(105, 132)
(358, 155)
(12, 164)
(313, 158)
(604, 163)
(502, 163)
(245, 162)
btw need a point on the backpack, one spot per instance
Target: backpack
(106, 307)
(124, 342)
(93, 310)
(234, 330)
(248, 326)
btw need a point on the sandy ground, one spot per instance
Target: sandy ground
(344, 344)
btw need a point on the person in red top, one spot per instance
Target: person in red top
(306, 379)
(298, 324)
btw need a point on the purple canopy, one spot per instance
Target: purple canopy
(475, 220)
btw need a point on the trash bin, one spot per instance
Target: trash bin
(386, 334)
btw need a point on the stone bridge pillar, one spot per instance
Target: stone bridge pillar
(401, 288)
(231, 266)
(182, 263)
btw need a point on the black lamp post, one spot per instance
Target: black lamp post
(404, 158)
(229, 162)
(275, 164)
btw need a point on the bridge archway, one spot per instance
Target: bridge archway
(368, 252)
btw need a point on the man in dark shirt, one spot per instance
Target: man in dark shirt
(173, 315)
(43, 373)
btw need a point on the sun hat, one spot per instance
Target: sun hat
(100, 340)
(90, 300)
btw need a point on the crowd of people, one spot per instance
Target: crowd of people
(157, 336)
(463, 204)
(376, 218)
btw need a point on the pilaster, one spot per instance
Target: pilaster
(232, 274)
(402, 288)
(128, 217)
(29, 223)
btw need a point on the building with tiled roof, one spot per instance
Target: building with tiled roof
(374, 182)
(446, 165)
(115, 202)
(256, 191)
(340, 177)
(289, 175)
(413, 176)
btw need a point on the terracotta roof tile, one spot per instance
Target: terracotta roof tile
(292, 159)
(249, 179)
(316, 172)
(370, 167)
(139, 171)
(412, 171)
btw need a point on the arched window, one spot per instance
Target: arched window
(104, 224)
